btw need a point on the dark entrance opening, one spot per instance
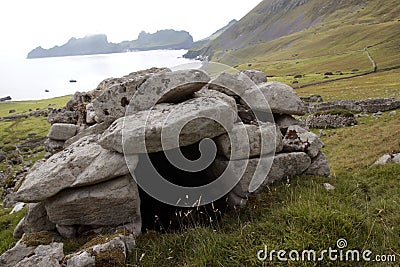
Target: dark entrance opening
(162, 217)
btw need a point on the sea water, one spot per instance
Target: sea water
(26, 79)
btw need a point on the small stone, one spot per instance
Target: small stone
(319, 166)
(328, 186)
(396, 158)
(300, 140)
(53, 146)
(387, 158)
(35, 220)
(45, 255)
(235, 202)
(11, 257)
(256, 76)
(81, 259)
(62, 131)
(284, 121)
(67, 231)
(377, 114)
(18, 207)
(61, 115)
(90, 114)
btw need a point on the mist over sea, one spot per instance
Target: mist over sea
(27, 79)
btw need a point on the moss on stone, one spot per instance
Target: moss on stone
(39, 238)
(102, 239)
(108, 258)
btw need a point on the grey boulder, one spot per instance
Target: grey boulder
(235, 202)
(90, 114)
(95, 130)
(62, 131)
(179, 125)
(44, 255)
(215, 94)
(62, 115)
(388, 158)
(115, 247)
(299, 139)
(281, 98)
(53, 146)
(230, 85)
(115, 96)
(35, 220)
(11, 257)
(284, 121)
(255, 75)
(83, 163)
(168, 87)
(319, 166)
(246, 141)
(260, 172)
(113, 202)
(80, 259)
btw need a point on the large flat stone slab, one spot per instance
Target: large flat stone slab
(113, 202)
(281, 98)
(114, 96)
(231, 85)
(265, 170)
(83, 163)
(247, 141)
(180, 125)
(168, 87)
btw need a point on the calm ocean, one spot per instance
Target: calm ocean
(26, 79)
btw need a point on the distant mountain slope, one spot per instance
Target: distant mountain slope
(98, 44)
(197, 47)
(91, 44)
(164, 39)
(219, 32)
(280, 29)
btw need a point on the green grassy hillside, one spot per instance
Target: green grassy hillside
(288, 38)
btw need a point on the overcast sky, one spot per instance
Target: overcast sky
(26, 24)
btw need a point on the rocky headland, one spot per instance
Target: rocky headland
(99, 44)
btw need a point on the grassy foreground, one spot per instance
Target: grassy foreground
(299, 214)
